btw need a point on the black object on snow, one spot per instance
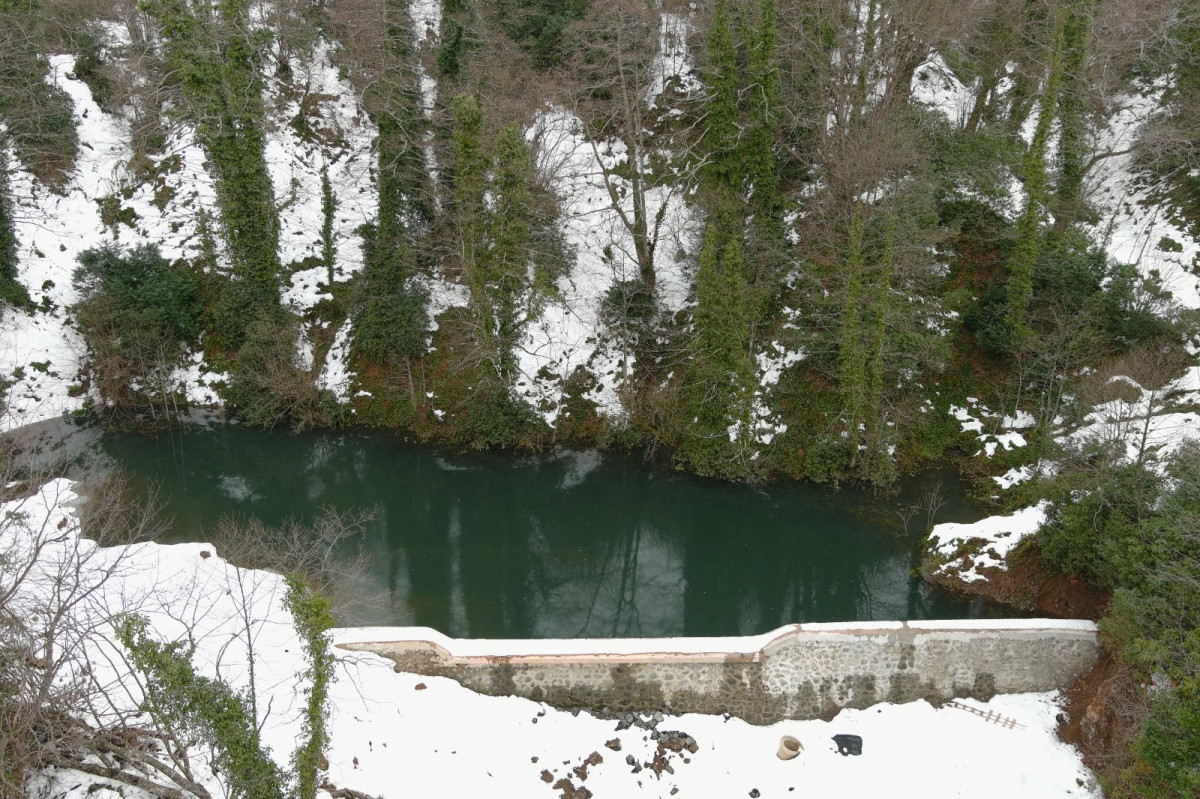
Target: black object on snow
(848, 744)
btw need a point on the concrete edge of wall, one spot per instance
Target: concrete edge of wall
(797, 671)
(717, 649)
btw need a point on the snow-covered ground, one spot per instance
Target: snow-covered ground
(570, 331)
(396, 734)
(41, 352)
(966, 548)
(335, 141)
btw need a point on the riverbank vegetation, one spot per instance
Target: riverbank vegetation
(123, 688)
(1134, 532)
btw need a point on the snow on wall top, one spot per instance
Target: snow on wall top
(717, 646)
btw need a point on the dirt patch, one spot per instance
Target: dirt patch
(1029, 583)
(1104, 711)
(1106, 706)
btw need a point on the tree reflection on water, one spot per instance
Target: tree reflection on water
(569, 544)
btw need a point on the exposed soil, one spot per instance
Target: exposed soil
(1104, 711)
(1030, 584)
(1105, 707)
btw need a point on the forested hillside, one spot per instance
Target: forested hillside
(782, 237)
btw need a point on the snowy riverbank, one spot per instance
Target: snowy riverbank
(400, 734)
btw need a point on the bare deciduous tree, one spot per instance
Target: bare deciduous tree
(618, 68)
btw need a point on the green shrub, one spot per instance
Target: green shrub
(1155, 624)
(393, 325)
(137, 313)
(1170, 740)
(238, 305)
(143, 286)
(1096, 524)
(826, 459)
(491, 417)
(266, 387)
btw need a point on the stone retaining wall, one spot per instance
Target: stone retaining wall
(796, 672)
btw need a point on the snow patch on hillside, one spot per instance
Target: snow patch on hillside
(427, 23)
(673, 62)
(335, 375)
(42, 353)
(935, 85)
(1133, 227)
(571, 331)
(764, 423)
(316, 127)
(1149, 429)
(964, 549)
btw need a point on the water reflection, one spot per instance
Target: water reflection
(564, 545)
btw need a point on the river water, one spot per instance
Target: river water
(561, 544)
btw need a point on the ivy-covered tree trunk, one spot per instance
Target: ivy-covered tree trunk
(719, 381)
(470, 179)
(721, 114)
(1023, 261)
(764, 251)
(214, 55)
(1073, 112)
(877, 465)
(852, 357)
(509, 230)
(313, 619)
(992, 61)
(185, 704)
(469, 211)
(390, 316)
(762, 171)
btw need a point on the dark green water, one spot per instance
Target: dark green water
(567, 544)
